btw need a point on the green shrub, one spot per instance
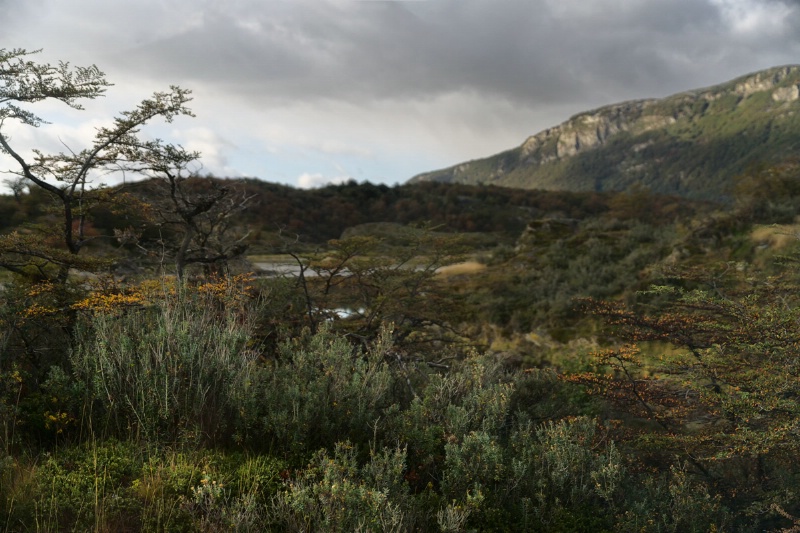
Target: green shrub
(178, 370)
(319, 389)
(474, 470)
(474, 395)
(335, 494)
(572, 468)
(563, 476)
(83, 488)
(672, 502)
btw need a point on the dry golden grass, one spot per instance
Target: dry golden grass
(776, 236)
(461, 269)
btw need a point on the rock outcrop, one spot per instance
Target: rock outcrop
(731, 108)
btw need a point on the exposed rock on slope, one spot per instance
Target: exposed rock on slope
(693, 143)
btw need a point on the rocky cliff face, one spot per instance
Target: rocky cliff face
(589, 130)
(593, 130)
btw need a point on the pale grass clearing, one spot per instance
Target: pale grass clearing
(461, 269)
(776, 236)
(271, 258)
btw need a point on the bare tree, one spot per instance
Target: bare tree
(68, 175)
(197, 211)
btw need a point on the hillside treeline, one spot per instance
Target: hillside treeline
(318, 215)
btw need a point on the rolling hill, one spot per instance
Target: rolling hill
(692, 144)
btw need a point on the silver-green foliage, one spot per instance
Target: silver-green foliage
(670, 502)
(471, 433)
(475, 395)
(573, 468)
(322, 388)
(335, 494)
(177, 370)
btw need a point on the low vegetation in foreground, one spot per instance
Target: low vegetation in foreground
(443, 400)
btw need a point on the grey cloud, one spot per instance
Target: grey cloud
(529, 52)
(367, 50)
(522, 51)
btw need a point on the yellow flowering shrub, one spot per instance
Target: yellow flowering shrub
(228, 289)
(103, 303)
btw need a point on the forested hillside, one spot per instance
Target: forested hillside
(692, 144)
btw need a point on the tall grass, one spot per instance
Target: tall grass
(173, 371)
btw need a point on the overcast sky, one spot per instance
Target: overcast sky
(306, 92)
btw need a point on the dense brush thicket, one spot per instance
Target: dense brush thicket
(209, 407)
(610, 372)
(167, 416)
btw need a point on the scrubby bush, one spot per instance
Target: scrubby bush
(83, 488)
(473, 396)
(319, 388)
(672, 502)
(334, 493)
(178, 369)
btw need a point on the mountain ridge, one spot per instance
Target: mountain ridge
(659, 143)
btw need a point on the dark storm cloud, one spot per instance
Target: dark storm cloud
(528, 52)
(384, 50)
